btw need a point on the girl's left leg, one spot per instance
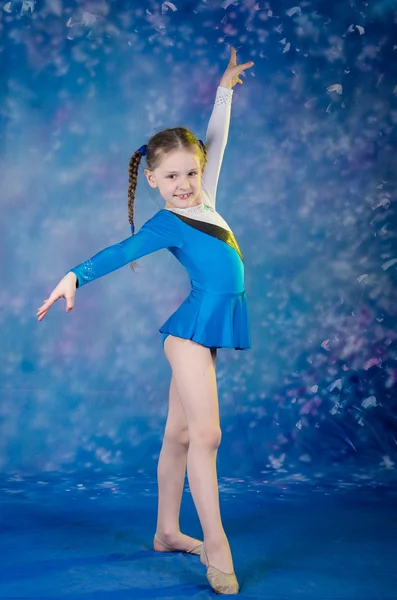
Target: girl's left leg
(171, 474)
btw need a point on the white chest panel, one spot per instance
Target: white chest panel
(201, 212)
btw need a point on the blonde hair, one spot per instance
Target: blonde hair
(159, 145)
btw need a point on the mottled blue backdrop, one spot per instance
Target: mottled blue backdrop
(308, 185)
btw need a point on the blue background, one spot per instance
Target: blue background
(308, 186)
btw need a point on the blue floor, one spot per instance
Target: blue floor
(91, 539)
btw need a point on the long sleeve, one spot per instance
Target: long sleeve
(161, 231)
(216, 140)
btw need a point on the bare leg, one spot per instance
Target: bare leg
(194, 374)
(171, 474)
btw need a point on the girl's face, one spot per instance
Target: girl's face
(178, 174)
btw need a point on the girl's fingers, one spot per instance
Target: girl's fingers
(42, 315)
(69, 302)
(247, 65)
(43, 310)
(47, 304)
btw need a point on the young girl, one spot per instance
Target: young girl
(214, 315)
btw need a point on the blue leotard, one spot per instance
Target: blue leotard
(215, 313)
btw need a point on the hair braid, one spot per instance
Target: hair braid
(133, 180)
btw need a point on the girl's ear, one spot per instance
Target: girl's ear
(151, 178)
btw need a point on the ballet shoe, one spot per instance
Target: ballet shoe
(221, 583)
(195, 550)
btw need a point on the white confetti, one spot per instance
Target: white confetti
(325, 344)
(314, 389)
(370, 401)
(299, 425)
(292, 11)
(287, 48)
(277, 462)
(8, 7)
(166, 5)
(384, 202)
(361, 277)
(26, 6)
(389, 263)
(227, 3)
(387, 462)
(360, 29)
(335, 384)
(336, 87)
(89, 19)
(305, 458)
(372, 362)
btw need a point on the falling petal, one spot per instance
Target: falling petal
(227, 3)
(27, 5)
(370, 401)
(384, 202)
(389, 263)
(362, 277)
(335, 384)
(166, 5)
(372, 362)
(387, 462)
(336, 87)
(294, 10)
(89, 18)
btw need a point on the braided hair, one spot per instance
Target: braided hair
(157, 148)
(132, 183)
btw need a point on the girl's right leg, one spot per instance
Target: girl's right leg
(171, 473)
(194, 375)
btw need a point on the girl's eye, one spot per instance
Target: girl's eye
(191, 172)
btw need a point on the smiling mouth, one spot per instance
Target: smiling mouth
(183, 196)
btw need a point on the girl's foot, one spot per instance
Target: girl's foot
(221, 583)
(219, 556)
(176, 542)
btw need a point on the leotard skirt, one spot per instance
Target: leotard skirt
(212, 319)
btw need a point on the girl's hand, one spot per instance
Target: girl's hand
(231, 75)
(66, 288)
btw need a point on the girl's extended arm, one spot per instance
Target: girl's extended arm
(218, 127)
(161, 231)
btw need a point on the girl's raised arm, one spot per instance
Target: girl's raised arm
(218, 127)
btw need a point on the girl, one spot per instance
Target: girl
(214, 315)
